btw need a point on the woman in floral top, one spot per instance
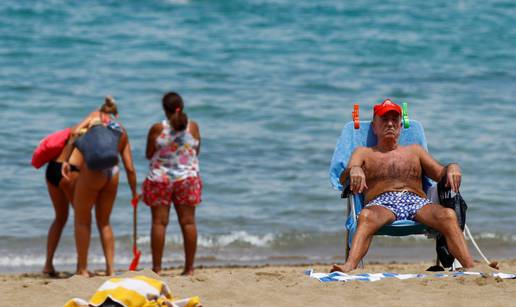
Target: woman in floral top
(172, 148)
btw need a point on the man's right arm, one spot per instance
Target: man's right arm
(354, 171)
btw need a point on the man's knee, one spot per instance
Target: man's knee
(447, 215)
(367, 216)
(447, 221)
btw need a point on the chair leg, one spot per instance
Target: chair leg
(347, 245)
(350, 211)
(456, 265)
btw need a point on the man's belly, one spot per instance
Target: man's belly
(377, 188)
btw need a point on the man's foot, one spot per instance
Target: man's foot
(492, 267)
(484, 268)
(346, 268)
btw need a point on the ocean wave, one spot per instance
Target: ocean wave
(10, 262)
(511, 238)
(295, 241)
(39, 260)
(244, 248)
(232, 238)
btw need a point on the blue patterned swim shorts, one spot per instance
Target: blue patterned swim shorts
(403, 204)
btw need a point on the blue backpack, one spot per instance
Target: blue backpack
(99, 146)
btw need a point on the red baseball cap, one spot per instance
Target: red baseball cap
(386, 106)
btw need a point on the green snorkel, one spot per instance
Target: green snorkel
(404, 115)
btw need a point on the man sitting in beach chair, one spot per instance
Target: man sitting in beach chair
(390, 177)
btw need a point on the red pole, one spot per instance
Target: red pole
(136, 253)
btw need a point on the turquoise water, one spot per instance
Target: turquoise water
(271, 83)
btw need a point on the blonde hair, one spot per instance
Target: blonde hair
(109, 106)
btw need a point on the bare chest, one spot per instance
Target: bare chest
(398, 164)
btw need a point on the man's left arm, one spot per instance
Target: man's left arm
(436, 171)
(453, 176)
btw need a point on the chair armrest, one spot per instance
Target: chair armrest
(345, 192)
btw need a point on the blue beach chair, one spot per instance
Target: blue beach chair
(351, 138)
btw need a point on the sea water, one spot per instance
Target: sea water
(271, 84)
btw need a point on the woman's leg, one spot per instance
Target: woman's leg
(84, 198)
(160, 216)
(186, 217)
(105, 202)
(67, 186)
(60, 204)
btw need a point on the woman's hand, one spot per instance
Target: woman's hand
(65, 170)
(357, 179)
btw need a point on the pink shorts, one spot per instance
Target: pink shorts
(183, 192)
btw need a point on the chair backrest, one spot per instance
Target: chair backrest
(351, 138)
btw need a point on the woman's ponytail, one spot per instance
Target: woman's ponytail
(173, 106)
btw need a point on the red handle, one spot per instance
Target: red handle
(355, 114)
(136, 253)
(134, 201)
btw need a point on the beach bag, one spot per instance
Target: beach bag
(458, 204)
(138, 291)
(50, 147)
(99, 146)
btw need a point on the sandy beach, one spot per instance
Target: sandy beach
(281, 286)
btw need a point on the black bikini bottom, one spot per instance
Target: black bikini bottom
(53, 173)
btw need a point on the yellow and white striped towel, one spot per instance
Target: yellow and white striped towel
(139, 291)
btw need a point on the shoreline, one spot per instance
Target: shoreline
(280, 285)
(99, 271)
(23, 258)
(376, 255)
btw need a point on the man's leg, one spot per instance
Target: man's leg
(444, 220)
(370, 220)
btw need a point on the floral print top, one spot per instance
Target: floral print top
(175, 157)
